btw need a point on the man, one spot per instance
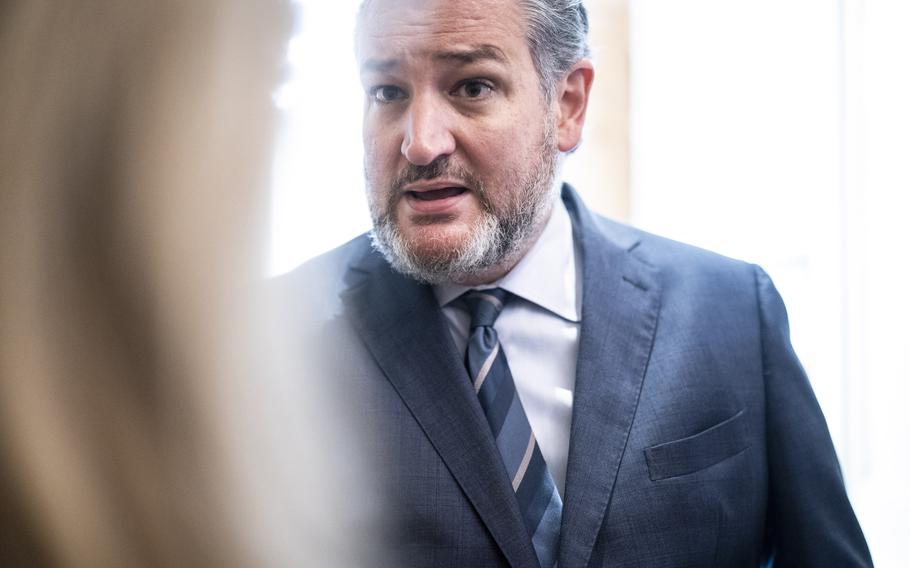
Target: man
(541, 385)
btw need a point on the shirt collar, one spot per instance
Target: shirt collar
(545, 276)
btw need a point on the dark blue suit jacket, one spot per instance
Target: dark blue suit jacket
(696, 439)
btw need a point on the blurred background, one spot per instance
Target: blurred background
(775, 131)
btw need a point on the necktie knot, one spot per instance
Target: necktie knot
(485, 306)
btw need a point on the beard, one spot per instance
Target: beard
(497, 239)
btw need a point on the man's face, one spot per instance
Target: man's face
(460, 149)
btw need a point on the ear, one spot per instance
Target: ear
(572, 99)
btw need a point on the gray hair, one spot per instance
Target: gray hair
(557, 37)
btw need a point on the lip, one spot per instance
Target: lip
(430, 185)
(439, 206)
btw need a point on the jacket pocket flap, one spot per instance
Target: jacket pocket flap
(696, 452)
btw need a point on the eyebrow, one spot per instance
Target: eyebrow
(459, 57)
(468, 56)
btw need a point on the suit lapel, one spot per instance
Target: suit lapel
(401, 324)
(621, 301)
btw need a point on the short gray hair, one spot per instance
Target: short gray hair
(557, 36)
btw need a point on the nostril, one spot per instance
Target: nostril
(428, 144)
(423, 151)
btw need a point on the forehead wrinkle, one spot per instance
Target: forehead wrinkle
(457, 56)
(379, 65)
(472, 55)
(424, 26)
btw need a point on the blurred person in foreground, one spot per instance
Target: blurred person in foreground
(149, 412)
(544, 385)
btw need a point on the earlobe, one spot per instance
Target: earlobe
(573, 94)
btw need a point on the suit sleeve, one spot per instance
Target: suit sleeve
(810, 520)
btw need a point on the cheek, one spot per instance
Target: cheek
(380, 170)
(512, 137)
(375, 170)
(507, 152)
(381, 152)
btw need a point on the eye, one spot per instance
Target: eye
(386, 93)
(474, 89)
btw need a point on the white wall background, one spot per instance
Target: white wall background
(775, 131)
(318, 198)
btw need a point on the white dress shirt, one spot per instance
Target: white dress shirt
(538, 330)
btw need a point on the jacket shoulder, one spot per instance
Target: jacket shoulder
(688, 273)
(316, 284)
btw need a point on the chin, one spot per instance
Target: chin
(439, 251)
(437, 238)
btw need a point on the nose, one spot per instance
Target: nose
(428, 132)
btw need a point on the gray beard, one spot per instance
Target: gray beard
(497, 239)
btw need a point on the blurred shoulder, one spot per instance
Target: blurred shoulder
(316, 284)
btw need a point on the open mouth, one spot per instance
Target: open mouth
(437, 194)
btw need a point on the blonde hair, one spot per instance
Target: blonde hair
(149, 414)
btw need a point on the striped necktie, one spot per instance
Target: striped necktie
(538, 499)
